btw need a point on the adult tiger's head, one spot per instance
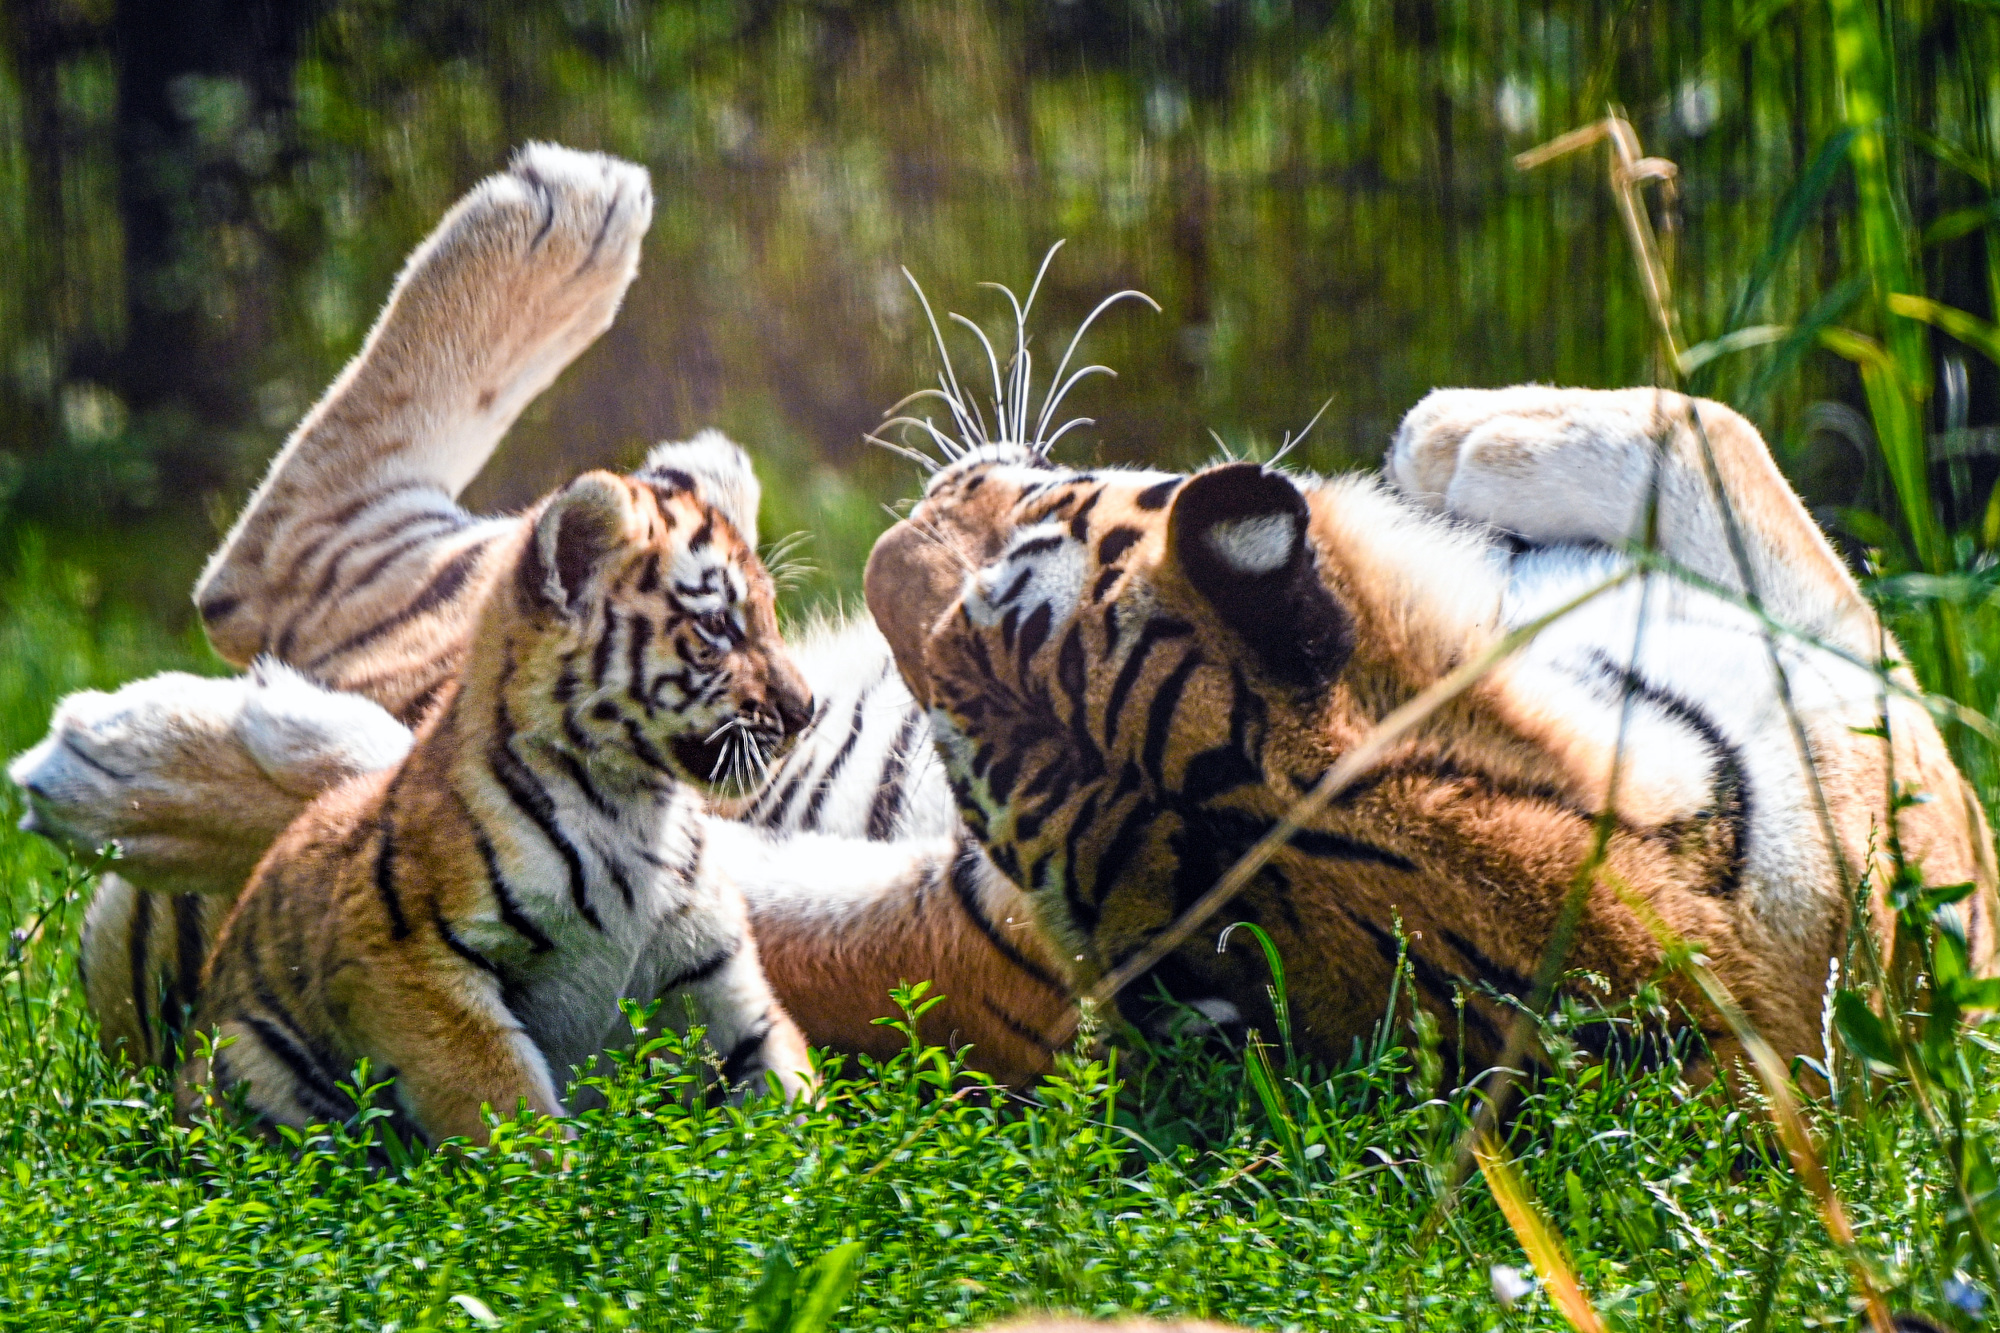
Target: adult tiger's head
(641, 636)
(1125, 670)
(1133, 675)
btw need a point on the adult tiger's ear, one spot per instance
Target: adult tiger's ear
(1238, 534)
(583, 523)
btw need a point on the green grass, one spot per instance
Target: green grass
(1184, 1180)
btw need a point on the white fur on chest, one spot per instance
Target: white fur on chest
(603, 950)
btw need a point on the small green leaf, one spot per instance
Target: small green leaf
(1865, 1033)
(833, 1277)
(1969, 329)
(482, 1314)
(771, 1304)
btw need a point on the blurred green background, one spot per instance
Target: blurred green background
(202, 204)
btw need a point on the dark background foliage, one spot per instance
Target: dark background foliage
(202, 204)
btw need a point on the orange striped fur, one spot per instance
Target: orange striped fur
(1145, 671)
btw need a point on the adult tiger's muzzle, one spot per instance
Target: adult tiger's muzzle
(917, 571)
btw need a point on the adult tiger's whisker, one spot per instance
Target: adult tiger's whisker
(1013, 386)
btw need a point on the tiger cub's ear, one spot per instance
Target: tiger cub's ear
(583, 523)
(1238, 534)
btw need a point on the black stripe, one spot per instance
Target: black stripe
(776, 815)
(1014, 588)
(326, 1099)
(190, 948)
(1116, 542)
(1035, 546)
(1338, 847)
(1034, 633)
(443, 586)
(644, 750)
(460, 947)
(528, 796)
(578, 775)
(1079, 519)
(636, 642)
(331, 577)
(1155, 632)
(809, 820)
(385, 880)
(1431, 979)
(746, 1050)
(600, 652)
(1160, 716)
(963, 872)
(69, 744)
(1157, 495)
(1731, 787)
(218, 608)
(1119, 850)
(142, 929)
(701, 971)
(333, 524)
(888, 802)
(510, 909)
(1495, 974)
(1018, 1028)
(619, 879)
(603, 230)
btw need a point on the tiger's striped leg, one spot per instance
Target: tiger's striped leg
(749, 1028)
(1569, 465)
(139, 961)
(353, 560)
(455, 1050)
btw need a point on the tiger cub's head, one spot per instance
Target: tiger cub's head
(641, 633)
(1122, 669)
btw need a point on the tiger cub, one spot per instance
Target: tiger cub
(468, 920)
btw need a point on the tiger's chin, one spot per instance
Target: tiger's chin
(727, 765)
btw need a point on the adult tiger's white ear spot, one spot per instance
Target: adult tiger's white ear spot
(717, 469)
(583, 523)
(1260, 545)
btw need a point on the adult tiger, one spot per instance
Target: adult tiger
(1143, 672)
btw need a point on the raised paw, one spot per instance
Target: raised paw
(1550, 465)
(192, 777)
(523, 274)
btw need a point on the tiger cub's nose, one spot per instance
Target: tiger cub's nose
(791, 698)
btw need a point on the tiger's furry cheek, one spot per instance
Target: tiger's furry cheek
(1040, 574)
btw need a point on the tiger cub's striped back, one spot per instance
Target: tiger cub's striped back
(469, 921)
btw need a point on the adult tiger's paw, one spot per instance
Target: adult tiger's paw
(192, 777)
(561, 228)
(523, 274)
(1546, 464)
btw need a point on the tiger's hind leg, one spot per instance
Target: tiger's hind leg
(749, 1029)
(353, 560)
(1578, 465)
(140, 960)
